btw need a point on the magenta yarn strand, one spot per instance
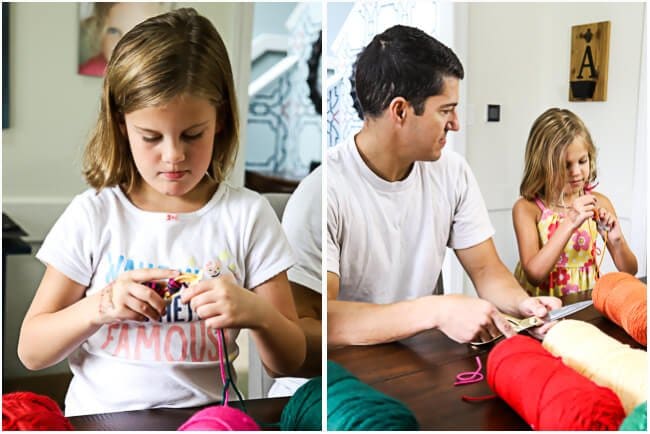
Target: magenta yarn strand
(470, 377)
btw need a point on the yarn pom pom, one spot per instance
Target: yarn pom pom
(546, 393)
(623, 299)
(303, 412)
(354, 406)
(637, 420)
(220, 418)
(27, 411)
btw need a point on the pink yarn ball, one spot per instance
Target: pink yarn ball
(220, 418)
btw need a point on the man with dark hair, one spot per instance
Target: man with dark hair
(395, 202)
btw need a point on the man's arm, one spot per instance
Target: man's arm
(491, 278)
(308, 306)
(495, 283)
(463, 319)
(356, 323)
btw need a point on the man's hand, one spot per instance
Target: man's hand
(539, 307)
(468, 319)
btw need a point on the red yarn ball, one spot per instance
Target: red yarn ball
(546, 393)
(27, 411)
(220, 418)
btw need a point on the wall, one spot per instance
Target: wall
(284, 128)
(271, 17)
(519, 57)
(52, 110)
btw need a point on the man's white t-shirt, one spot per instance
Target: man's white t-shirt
(133, 365)
(302, 223)
(386, 240)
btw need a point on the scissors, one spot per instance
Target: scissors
(520, 325)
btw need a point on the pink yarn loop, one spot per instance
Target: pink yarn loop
(470, 377)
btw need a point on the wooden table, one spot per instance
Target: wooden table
(264, 411)
(420, 372)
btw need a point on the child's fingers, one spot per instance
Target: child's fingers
(206, 285)
(146, 274)
(190, 292)
(149, 296)
(208, 311)
(120, 301)
(142, 308)
(205, 298)
(228, 277)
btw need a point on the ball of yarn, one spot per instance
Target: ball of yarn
(623, 299)
(547, 394)
(602, 359)
(304, 410)
(27, 411)
(220, 418)
(637, 420)
(354, 406)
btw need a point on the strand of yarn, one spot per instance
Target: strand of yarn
(222, 417)
(478, 398)
(229, 370)
(600, 262)
(470, 377)
(623, 299)
(547, 394)
(28, 411)
(597, 262)
(637, 420)
(222, 368)
(303, 412)
(602, 359)
(354, 406)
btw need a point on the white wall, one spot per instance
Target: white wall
(518, 57)
(52, 110)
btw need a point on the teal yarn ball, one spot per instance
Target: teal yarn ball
(354, 406)
(304, 410)
(637, 420)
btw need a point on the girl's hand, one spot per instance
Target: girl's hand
(539, 307)
(608, 220)
(222, 303)
(128, 299)
(582, 209)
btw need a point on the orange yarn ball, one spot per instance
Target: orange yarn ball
(27, 411)
(623, 299)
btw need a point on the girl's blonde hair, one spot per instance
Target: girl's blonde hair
(176, 53)
(544, 172)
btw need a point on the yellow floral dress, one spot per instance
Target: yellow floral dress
(575, 269)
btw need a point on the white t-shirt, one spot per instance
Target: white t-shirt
(302, 223)
(133, 365)
(386, 240)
